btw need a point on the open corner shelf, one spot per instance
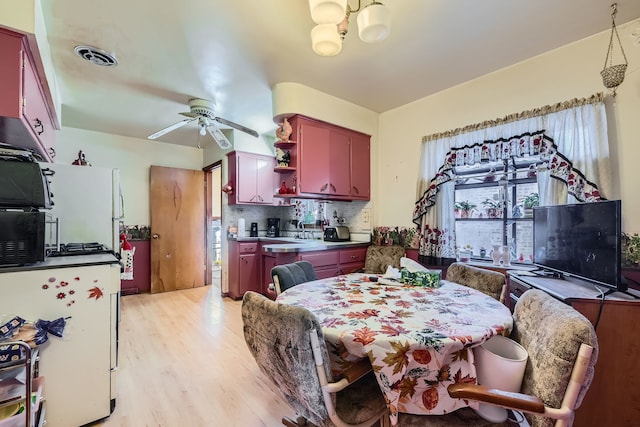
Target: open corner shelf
(284, 169)
(284, 144)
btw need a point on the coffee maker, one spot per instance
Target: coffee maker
(273, 227)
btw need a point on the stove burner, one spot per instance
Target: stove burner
(68, 249)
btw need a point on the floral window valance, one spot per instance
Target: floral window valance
(528, 144)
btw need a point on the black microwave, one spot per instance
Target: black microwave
(22, 237)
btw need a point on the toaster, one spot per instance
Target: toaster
(337, 234)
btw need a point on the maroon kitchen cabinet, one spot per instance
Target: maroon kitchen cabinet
(325, 263)
(331, 263)
(25, 118)
(244, 268)
(252, 177)
(360, 167)
(328, 161)
(141, 282)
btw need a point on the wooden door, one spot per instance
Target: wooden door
(177, 229)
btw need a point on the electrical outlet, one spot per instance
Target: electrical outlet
(366, 219)
(342, 220)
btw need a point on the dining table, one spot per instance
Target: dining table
(418, 339)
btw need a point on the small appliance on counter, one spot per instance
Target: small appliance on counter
(253, 232)
(339, 233)
(24, 192)
(273, 227)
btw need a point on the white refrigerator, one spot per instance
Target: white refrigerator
(88, 203)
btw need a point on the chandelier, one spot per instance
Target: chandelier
(332, 19)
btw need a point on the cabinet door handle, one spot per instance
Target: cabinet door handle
(38, 124)
(333, 187)
(155, 236)
(52, 151)
(356, 189)
(324, 187)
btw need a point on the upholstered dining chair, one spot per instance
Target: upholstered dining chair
(286, 276)
(562, 351)
(288, 345)
(378, 258)
(492, 283)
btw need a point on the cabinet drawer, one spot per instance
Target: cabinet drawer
(247, 248)
(516, 289)
(352, 255)
(319, 259)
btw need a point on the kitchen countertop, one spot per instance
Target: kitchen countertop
(291, 244)
(64, 262)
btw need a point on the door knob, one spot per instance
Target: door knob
(155, 236)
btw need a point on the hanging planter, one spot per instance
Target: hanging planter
(613, 75)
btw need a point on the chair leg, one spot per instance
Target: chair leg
(299, 422)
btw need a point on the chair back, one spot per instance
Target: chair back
(380, 257)
(488, 282)
(552, 333)
(288, 275)
(278, 338)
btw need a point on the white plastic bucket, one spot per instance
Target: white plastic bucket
(500, 364)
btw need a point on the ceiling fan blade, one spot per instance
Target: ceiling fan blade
(192, 115)
(219, 137)
(170, 128)
(236, 126)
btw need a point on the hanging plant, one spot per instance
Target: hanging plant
(613, 75)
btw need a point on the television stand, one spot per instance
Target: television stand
(612, 291)
(548, 273)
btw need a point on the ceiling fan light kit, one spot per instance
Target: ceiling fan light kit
(203, 112)
(374, 24)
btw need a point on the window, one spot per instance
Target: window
(493, 207)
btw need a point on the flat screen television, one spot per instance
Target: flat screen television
(581, 240)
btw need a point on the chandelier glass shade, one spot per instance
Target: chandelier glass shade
(327, 11)
(374, 23)
(325, 40)
(332, 17)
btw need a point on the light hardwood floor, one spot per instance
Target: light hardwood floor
(184, 362)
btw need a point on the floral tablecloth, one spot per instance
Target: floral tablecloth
(418, 339)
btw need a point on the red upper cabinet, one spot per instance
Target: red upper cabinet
(333, 162)
(360, 167)
(25, 117)
(253, 178)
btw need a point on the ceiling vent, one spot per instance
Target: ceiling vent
(96, 56)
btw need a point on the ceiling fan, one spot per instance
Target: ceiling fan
(202, 111)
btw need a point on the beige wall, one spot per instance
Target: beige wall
(572, 71)
(132, 156)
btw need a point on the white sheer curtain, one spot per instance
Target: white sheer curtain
(574, 135)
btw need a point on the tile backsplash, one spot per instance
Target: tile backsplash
(350, 211)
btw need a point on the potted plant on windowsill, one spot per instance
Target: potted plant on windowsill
(464, 209)
(493, 208)
(529, 202)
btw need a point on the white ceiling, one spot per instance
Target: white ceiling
(234, 51)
